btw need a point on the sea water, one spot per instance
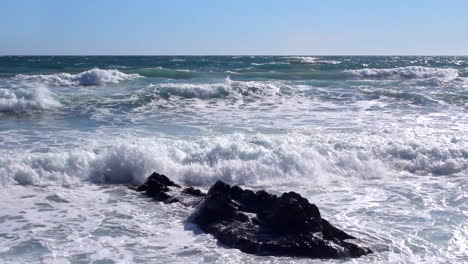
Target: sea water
(379, 144)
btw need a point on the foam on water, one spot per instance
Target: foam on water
(93, 77)
(356, 183)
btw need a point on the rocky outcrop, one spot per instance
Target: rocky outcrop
(258, 222)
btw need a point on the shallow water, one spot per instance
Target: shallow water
(378, 143)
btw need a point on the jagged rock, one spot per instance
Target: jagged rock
(163, 179)
(264, 224)
(157, 186)
(258, 222)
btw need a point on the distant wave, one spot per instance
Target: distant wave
(167, 73)
(410, 72)
(190, 90)
(286, 75)
(93, 77)
(314, 60)
(37, 99)
(413, 97)
(217, 90)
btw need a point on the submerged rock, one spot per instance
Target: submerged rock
(161, 188)
(258, 222)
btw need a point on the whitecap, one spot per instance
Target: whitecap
(217, 89)
(410, 72)
(306, 59)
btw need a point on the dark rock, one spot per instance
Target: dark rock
(264, 224)
(331, 232)
(163, 179)
(258, 222)
(194, 192)
(157, 186)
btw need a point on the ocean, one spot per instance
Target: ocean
(378, 143)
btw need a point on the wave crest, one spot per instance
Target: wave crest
(93, 77)
(410, 72)
(190, 90)
(39, 98)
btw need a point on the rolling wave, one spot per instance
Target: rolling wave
(217, 89)
(93, 77)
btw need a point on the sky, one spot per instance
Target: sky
(234, 27)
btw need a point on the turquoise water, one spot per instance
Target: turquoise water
(378, 143)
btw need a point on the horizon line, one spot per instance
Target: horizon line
(228, 55)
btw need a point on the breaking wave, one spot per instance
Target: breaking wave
(93, 77)
(237, 158)
(411, 72)
(37, 99)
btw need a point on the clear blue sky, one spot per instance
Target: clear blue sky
(211, 27)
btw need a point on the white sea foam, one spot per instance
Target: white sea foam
(411, 72)
(374, 186)
(93, 77)
(35, 99)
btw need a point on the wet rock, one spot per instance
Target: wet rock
(163, 179)
(264, 224)
(157, 187)
(194, 192)
(258, 222)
